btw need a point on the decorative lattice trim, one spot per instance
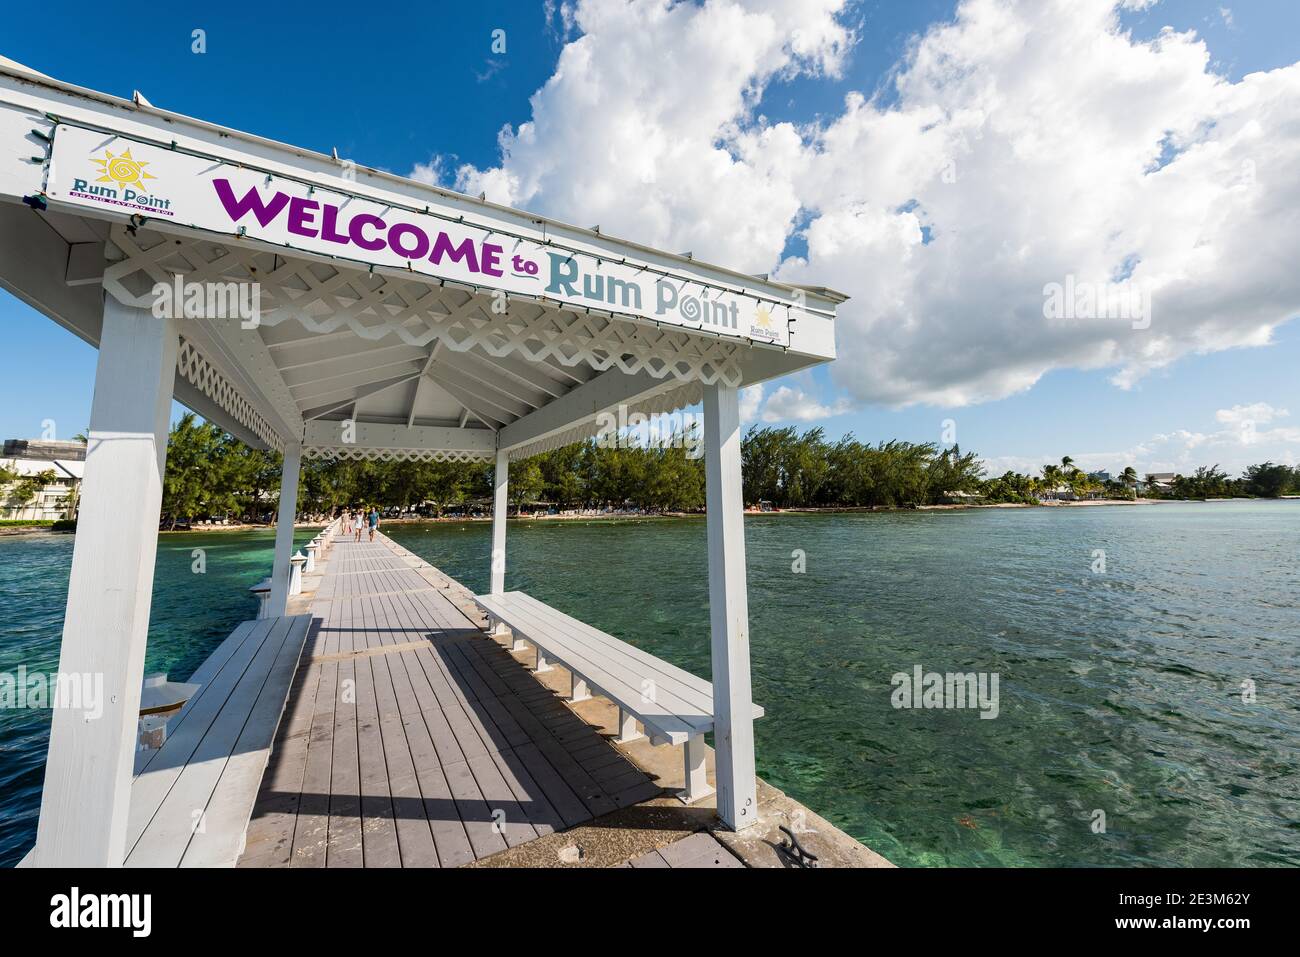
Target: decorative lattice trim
(352, 454)
(324, 297)
(663, 403)
(191, 364)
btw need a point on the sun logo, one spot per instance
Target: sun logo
(123, 170)
(763, 318)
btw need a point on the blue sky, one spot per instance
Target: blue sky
(423, 82)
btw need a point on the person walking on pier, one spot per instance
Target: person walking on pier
(373, 520)
(360, 522)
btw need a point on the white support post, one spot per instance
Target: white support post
(733, 717)
(500, 502)
(540, 666)
(295, 573)
(262, 592)
(577, 687)
(105, 626)
(499, 629)
(696, 776)
(280, 569)
(627, 729)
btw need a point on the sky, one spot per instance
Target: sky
(943, 163)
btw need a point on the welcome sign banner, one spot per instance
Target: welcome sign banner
(116, 174)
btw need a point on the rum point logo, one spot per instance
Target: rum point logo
(130, 191)
(122, 169)
(764, 324)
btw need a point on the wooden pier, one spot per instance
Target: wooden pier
(375, 358)
(411, 738)
(380, 724)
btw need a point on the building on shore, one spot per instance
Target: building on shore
(1159, 482)
(1060, 493)
(40, 480)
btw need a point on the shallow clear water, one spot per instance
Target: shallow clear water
(192, 614)
(1119, 691)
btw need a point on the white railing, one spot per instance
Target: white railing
(317, 549)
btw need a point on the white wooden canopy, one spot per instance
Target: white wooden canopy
(344, 312)
(427, 359)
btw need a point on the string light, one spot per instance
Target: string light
(475, 289)
(460, 219)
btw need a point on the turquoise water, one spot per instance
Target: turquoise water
(1120, 691)
(192, 614)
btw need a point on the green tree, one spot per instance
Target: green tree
(525, 482)
(26, 487)
(197, 482)
(1129, 479)
(1269, 480)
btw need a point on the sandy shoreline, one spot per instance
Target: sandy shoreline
(640, 517)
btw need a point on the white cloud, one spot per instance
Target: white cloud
(1030, 140)
(794, 405)
(1257, 413)
(645, 128)
(1054, 122)
(432, 173)
(1241, 442)
(751, 397)
(560, 25)
(1232, 449)
(995, 465)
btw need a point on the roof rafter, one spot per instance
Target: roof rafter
(323, 410)
(419, 382)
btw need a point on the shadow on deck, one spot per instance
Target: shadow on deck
(412, 739)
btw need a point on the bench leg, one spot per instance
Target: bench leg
(697, 780)
(498, 629)
(541, 667)
(501, 630)
(577, 687)
(627, 729)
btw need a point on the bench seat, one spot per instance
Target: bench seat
(672, 705)
(191, 799)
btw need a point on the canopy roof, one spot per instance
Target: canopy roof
(394, 319)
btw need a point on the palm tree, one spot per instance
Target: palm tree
(1051, 478)
(1067, 465)
(1129, 477)
(1080, 484)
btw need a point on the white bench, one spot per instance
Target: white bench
(191, 800)
(673, 706)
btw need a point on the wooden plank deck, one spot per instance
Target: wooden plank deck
(412, 739)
